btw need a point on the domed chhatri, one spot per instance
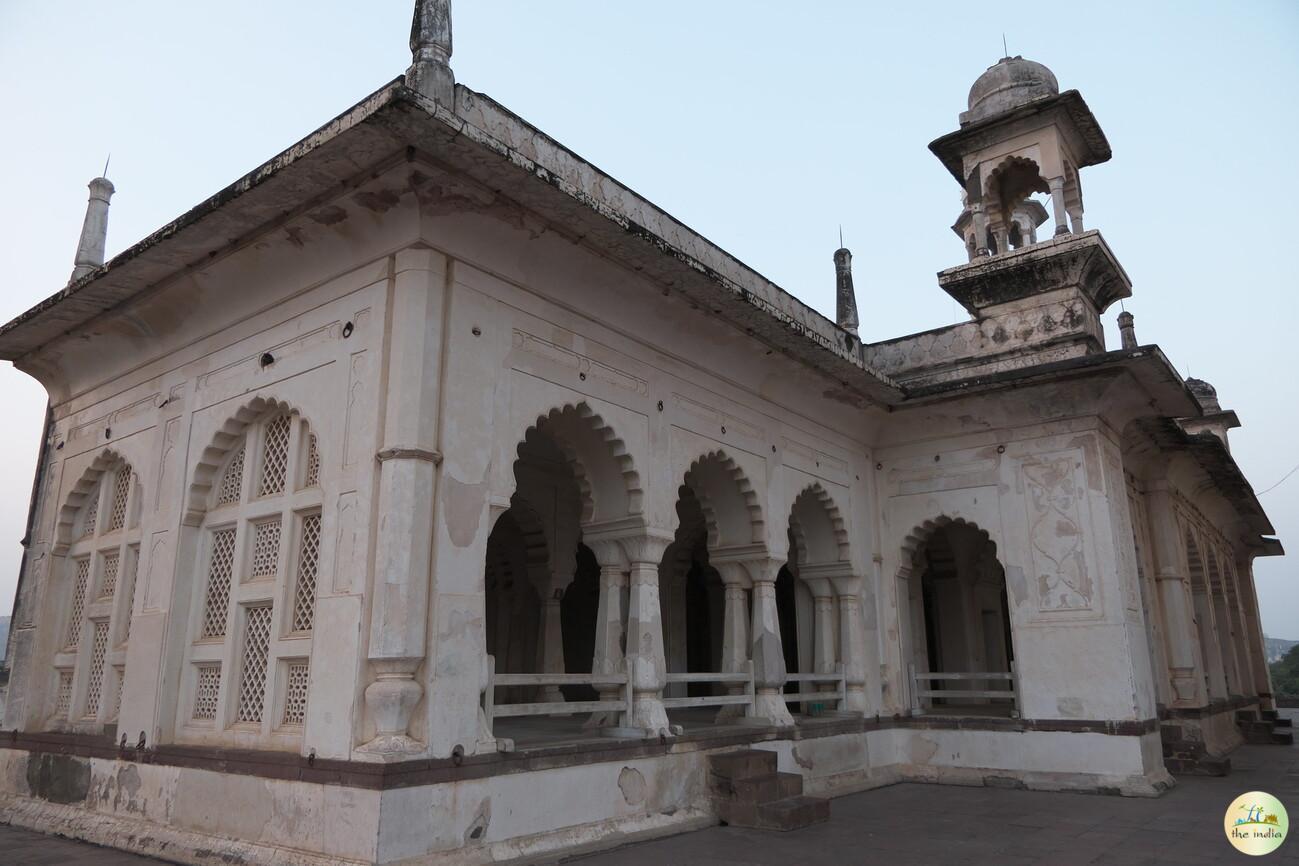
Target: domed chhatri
(1010, 83)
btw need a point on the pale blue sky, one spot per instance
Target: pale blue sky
(762, 127)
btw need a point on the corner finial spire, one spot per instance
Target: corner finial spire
(94, 230)
(430, 49)
(845, 295)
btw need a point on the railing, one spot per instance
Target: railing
(918, 692)
(818, 696)
(744, 677)
(493, 710)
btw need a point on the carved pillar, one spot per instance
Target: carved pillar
(408, 464)
(1185, 667)
(644, 652)
(825, 636)
(980, 219)
(609, 622)
(1056, 185)
(1254, 632)
(769, 674)
(550, 640)
(852, 641)
(735, 631)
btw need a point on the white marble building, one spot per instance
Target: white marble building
(429, 496)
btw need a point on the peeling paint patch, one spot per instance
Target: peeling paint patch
(476, 832)
(464, 509)
(294, 235)
(1070, 707)
(379, 201)
(632, 785)
(800, 759)
(1016, 584)
(331, 215)
(58, 778)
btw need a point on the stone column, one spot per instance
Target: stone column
(852, 641)
(769, 674)
(980, 220)
(550, 642)
(1185, 667)
(825, 635)
(1254, 632)
(408, 464)
(735, 631)
(1076, 219)
(609, 623)
(1056, 185)
(645, 655)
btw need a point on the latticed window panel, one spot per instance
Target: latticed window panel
(108, 578)
(207, 688)
(257, 646)
(266, 548)
(119, 680)
(231, 487)
(275, 457)
(220, 569)
(313, 463)
(295, 693)
(92, 513)
(132, 573)
(121, 493)
(98, 648)
(63, 696)
(81, 574)
(304, 592)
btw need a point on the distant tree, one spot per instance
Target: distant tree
(1285, 673)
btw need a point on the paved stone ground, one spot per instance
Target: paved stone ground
(918, 825)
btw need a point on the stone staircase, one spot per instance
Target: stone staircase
(1260, 727)
(1188, 757)
(749, 792)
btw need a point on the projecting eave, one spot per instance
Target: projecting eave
(486, 142)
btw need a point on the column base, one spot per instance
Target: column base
(770, 705)
(392, 747)
(648, 714)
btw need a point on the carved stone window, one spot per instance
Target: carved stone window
(99, 559)
(257, 546)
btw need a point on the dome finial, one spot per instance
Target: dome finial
(430, 48)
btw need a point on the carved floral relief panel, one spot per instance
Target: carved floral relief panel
(1056, 535)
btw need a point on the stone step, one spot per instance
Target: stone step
(1206, 765)
(1283, 738)
(790, 813)
(1246, 716)
(1283, 723)
(742, 764)
(760, 789)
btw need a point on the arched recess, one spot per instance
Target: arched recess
(955, 613)
(731, 508)
(248, 561)
(93, 579)
(1015, 179)
(818, 527)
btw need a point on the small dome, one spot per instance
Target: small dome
(1205, 393)
(1012, 82)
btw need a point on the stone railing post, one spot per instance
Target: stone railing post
(769, 673)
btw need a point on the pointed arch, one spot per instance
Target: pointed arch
(230, 436)
(731, 507)
(86, 485)
(818, 527)
(608, 484)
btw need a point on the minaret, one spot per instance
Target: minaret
(430, 48)
(845, 297)
(94, 231)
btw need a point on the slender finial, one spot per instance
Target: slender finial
(106, 162)
(430, 49)
(94, 230)
(1005, 52)
(841, 236)
(845, 294)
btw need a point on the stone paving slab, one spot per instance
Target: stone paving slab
(920, 825)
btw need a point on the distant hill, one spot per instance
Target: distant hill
(1277, 647)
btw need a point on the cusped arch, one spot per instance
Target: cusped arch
(76, 498)
(916, 540)
(606, 476)
(818, 527)
(1014, 179)
(228, 436)
(731, 507)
